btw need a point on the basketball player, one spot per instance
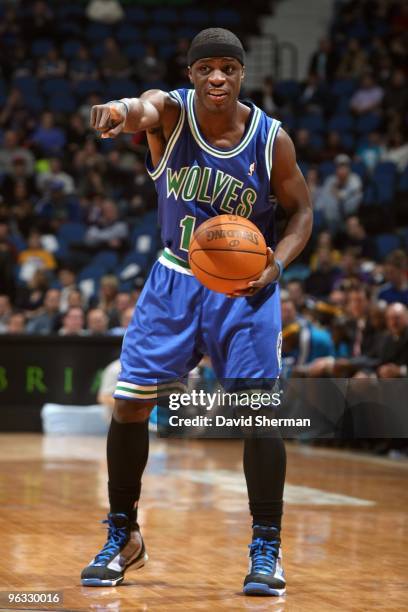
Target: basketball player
(209, 154)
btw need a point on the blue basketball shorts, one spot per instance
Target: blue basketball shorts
(177, 321)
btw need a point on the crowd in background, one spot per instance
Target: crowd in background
(344, 302)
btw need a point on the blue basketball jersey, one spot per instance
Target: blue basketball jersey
(195, 180)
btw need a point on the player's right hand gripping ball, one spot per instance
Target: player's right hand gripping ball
(226, 252)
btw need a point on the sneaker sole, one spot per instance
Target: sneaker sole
(260, 588)
(97, 582)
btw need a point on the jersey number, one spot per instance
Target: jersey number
(187, 225)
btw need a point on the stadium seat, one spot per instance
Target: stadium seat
(53, 86)
(343, 87)
(70, 48)
(127, 34)
(326, 168)
(158, 34)
(359, 168)
(226, 18)
(304, 167)
(136, 51)
(312, 122)
(121, 88)
(403, 181)
(27, 85)
(164, 15)
(105, 259)
(166, 51)
(289, 90)
(341, 123)
(347, 140)
(196, 16)
(71, 232)
(136, 14)
(384, 179)
(368, 123)
(316, 141)
(86, 87)
(62, 102)
(97, 32)
(385, 243)
(41, 46)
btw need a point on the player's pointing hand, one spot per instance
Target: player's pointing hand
(109, 119)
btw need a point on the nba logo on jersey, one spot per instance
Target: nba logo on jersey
(252, 169)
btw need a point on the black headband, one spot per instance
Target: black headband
(215, 49)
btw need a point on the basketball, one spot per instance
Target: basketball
(226, 252)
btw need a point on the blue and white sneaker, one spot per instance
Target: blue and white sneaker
(124, 547)
(265, 574)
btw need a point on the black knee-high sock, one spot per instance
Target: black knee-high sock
(127, 452)
(265, 470)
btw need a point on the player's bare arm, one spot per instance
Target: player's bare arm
(154, 112)
(290, 188)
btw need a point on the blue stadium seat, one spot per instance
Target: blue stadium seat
(187, 31)
(326, 168)
(289, 89)
(312, 122)
(341, 123)
(62, 102)
(342, 105)
(41, 46)
(359, 168)
(227, 18)
(127, 34)
(385, 179)
(403, 181)
(368, 123)
(196, 16)
(121, 88)
(86, 87)
(343, 87)
(71, 232)
(404, 234)
(135, 51)
(27, 85)
(165, 15)
(70, 48)
(289, 122)
(89, 279)
(108, 260)
(56, 86)
(316, 141)
(304, 167)
(347, 140)
(158, 34)
(358, 29)
(136, 14)
(98, 32)
(155, 85)
(132, 265)
(166, 51)
(70, 11)
(385, 243)
(35, 103)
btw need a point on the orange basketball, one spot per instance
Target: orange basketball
(226, 252)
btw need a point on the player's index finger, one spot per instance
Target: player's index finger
(104, 120)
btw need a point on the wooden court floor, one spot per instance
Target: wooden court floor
(345, 528)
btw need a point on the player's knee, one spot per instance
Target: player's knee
(130, 411)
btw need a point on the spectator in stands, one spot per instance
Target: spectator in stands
(332, 148)
(97, 322)
(304, 151)
(177, 64)
(30, 297)
(324, 61)
(368, 96)
(16, 323)
(324, 241)
(302, 344)
(105, 11)
(8, 258)
(321, 281)
(10, 150)
(52, 65)
(396, 150)
(73, 322)
(114, 63)
(395, 273)
(39, 22)
(18, 176)
(67, 281)
(396, 93)
(354, 62)
(123, 301)
(394, 353)
(82, 67)
(77, 134)
(5, 312)
(150, 68)
(14, 109)
(371, 150)
(313, 183)
(35, 257)
(267, 98)
(110, 232)
(108, 290)
(57, 208)
(341, 194)
(297, 294)
(314, 95)
(140, 191)
(125, 318)
(355, 237)
(55, 175)
(46, 322)
(48, 138)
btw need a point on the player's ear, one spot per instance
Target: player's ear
(243, 73)
(189, 73)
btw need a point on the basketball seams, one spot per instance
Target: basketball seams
(229, 250)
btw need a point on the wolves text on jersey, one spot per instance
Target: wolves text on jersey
(196, 183)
